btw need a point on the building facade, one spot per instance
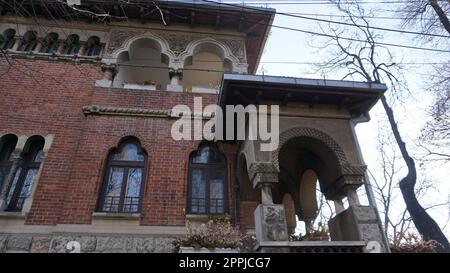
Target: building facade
(86, 152)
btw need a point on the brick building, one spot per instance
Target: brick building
(86, 151)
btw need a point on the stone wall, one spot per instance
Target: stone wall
(96, 244)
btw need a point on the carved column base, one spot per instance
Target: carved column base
(357, 223)
(270, 223)
(174, 88)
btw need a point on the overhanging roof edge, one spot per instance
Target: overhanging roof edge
(304, 82)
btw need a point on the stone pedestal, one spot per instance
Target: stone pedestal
(270, 223)
(357, 223)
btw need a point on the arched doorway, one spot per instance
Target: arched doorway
(308, 169)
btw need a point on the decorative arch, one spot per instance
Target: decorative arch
(7, 38)
(224, 51)
(207, 181)
(312, 133)
(163, 44)
(21, 189)
(124, 177)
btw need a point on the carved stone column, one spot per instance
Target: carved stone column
(60, 49)
(270, 218)
(175, 75)
(109, 72)
(18, 41)
(38, 47)
(356, 223)
(338, 206)
(83, 48)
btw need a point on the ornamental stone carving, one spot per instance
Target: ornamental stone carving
(237, 47)
(119, 37)
(179, 42)
(270, 223)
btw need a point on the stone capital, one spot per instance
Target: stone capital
(176, 73)
(109, 70)
(262, 173)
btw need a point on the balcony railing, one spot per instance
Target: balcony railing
(112, 204)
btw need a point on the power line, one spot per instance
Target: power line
(346, 24)
(311, 2)
(328, 35)
(320, 34)
(366, 16)
(279, 62)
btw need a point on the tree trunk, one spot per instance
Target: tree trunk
(425, 225)
(441, 14)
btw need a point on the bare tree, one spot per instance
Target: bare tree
(396, 220)
(432, 17)
(362, 59)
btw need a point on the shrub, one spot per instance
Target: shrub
(412, 243)
(216, 233)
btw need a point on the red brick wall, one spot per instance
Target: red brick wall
(246, 212)
(40, 97)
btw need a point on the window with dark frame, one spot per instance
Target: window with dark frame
(72, 44)
(123, 180)
(94, 47)
(6, 150)
(7, 39)
(29, 41)
(50, 44)
(25, 176)
(207, 182)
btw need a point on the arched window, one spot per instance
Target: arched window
(123, 181)
(50, 44)
(7, 39)
(93, 46)
(207, 181)
(73, 44)
(26, 174)
(29, 41)
(7, 145)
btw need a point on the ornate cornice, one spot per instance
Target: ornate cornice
(141, 112)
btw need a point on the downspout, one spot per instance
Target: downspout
(367, 184)
(236, 193)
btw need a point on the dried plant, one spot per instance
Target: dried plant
(216, 233)
(413, 243)
(321, 233)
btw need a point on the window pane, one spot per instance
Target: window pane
(3, 174)
(216, 196)
(73, 49)
(129, 152)
(13, 186)
(132, 195)
(113, 189)
(39, 156)
(7, 149)
(30, 179)
(207, 155)
(198, 191)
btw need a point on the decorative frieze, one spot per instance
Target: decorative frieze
(178, 42)
(119, 37)
(158, 113)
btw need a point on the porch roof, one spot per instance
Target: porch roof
(357, 97)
